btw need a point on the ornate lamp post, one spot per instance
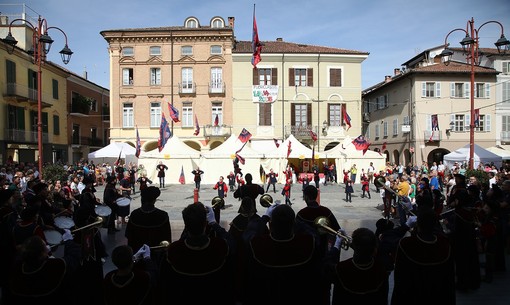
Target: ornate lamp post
(470, 46)
(41, 43)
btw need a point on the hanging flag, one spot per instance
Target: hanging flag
(164, 133)
(435, 122)
(117, 163)
(276, 143)
(240, 159)
(138, 144)
(289, 149)
(197, 127)
(244, 136)
(345, 116)
(477, 117)
(174, 113)
(313, 154)
(256, 46)
(361, 143)
(313, 135)
(216, 121)
(182, 179)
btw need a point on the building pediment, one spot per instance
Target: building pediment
(155, 60)
(127, 60)
(187, 59)
(216, 59)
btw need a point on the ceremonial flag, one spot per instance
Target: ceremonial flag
(477, 117)
(197, 127)
(182, 179)
(383, 148)
(361, 143)
(313, 154)
(345, 116)
(117, 163)
(256, 46)
(313, 135)
(435, 122)
(216, 120)
(276, 143)
(164, 133)
(289, 150)
(174, 113)
(241, 159)
(138, 144)
(244, 136)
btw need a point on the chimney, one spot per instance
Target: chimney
(396, 71)
(85, 74)
(231, 22)
(279, 39)
(387, 78)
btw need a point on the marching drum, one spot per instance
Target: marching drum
(64, 222)
(123, 201)
(103, 210)
(53, 237)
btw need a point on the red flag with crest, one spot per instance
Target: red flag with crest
(244, 136)
(174, 113)
(313, 135)
(361, 143)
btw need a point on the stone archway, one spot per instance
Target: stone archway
(437, 155)
(396, 157)
(387, 154)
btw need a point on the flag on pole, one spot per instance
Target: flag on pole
(361, 143)
(138, 144)
(197, 127)
(117, 163)
(477, 117)
(276, 143)
(289, 149)
(313, 154)
(345, 116)
(182, 179)
(164, 133)
(244, 136)
(238, 156)
(256, 46)
(383, 148)
(174, 113)
(313, 135)
(216, 121)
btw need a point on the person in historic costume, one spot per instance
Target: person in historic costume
(143, 181)
(110, 195)
(247, 212)
(148, 224)
(424, 268)
(221, 187)
(249, 189)
(231, 181)
(199, 261)
(8, 219)
(197, 177)
(290, 277)
(38, 278)
(307, 216)
(161, 168)
(27, 227)
(271, 180)
(125, 189)
(360, 279)
(131, 282)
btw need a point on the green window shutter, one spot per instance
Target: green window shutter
(20, 116)
(45, 122)
(56, 125)
(55, 89)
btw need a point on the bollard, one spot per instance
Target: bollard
(318, 196)
(195, 195)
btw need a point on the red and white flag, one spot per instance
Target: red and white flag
(256, 46)
(216, 120)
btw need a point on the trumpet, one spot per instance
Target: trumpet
(98, 222)
(322, 223)
(217, 203)
(162, 244)
(266, 200)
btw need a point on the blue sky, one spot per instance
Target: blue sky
(392, 31)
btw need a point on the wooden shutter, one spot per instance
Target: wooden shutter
(308, 114)
(293, 114)
(274, 76)
(11, 72)
(56, 125)
(44, 116)
(292, 81)
(255, 77)
(309, 81)
(20, 118)
(335, 77)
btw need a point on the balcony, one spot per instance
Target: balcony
(505, 137)
(18, 93)
(217, 131)
(217, 89)
(432, 136)
(24, 136)
(187, 89)
(301, 132)
(87, 141)
(79, 108)
(106, 114)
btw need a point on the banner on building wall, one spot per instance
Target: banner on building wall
(265, 93)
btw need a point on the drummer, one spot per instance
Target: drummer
(111, 194)
(27, 227)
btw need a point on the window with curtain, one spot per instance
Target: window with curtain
(155, 76)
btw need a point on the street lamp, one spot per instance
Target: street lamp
(470, 46)
(41, 44)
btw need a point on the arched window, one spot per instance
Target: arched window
(217, 23)
(191, 23)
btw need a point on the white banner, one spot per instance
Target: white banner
(265, 93)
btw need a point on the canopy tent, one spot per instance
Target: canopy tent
(481, 154)
(110, 153)
(220, 161)
(346, 155)
(176, 155)
(503, 153)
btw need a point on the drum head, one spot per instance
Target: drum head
(64, 222)
(123, 201)
(53, 237)
(103, 210)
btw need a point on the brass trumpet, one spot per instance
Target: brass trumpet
(98, 222)
(162, 244)
(322, 224)
(218, 203)
(266, 200)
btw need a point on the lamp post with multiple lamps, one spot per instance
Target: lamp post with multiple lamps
(471, 48)
(41, 44)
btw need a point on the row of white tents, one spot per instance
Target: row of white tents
(217, 162)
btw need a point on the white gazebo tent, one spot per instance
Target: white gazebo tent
(220, 161)
(346, 155)
(503, 153)
(176, 155)
(110, 153)
(481, 154)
